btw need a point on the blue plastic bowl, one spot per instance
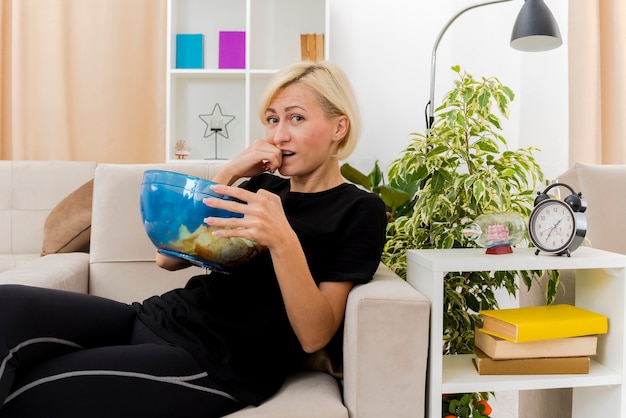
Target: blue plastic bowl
(173, 213)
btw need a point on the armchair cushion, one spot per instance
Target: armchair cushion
(601, 185)
(68, 226)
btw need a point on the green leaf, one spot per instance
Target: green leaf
(552, 285)
(355, 176)
(437, 181)
(493, 119)
(509, 93)
(376, 175)
(484, 98)
(440, 149)
(479, 190)
(503, 105)
(393, 197)
(487, 146)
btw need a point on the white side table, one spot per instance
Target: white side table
(600, 287)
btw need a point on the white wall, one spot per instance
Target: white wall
(385, 48)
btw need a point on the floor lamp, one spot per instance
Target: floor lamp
(535, 30)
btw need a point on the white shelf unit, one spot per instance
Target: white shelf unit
(272, 29)
(600, 287)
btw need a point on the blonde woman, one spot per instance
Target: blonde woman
(230, 340)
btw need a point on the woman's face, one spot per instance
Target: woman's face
(297, 125)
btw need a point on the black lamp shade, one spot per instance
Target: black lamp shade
(535, 28)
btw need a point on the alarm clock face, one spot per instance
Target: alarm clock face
(552, 226)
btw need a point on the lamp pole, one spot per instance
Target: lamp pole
(430, 118)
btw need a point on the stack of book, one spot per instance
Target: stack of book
(553, 339)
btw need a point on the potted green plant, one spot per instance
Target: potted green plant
(444, 179)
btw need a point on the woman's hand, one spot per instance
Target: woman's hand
(259, 157)
(264, 220)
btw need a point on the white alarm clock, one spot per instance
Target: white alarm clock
(558, 226)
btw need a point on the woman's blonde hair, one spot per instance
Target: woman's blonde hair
(334, 92)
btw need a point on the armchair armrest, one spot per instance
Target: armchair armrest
(68, 271)
(385, 348)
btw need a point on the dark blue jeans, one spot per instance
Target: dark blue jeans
(67, 355)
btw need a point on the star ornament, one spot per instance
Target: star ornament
(216, 122)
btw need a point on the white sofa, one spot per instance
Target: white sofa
(386, 326)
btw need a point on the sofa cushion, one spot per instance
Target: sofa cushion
(10, 261)
(29, 190)
(55, 271)
(68, 226)
(303, 395)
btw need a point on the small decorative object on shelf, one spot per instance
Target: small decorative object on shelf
(312, 47)
(497, 232)
(558, 226)
(216, 123)
(181, 149)
(189, 50)
(232, 50)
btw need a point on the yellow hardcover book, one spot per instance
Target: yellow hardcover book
(499, 349)
(553, 365)
(536, 323)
